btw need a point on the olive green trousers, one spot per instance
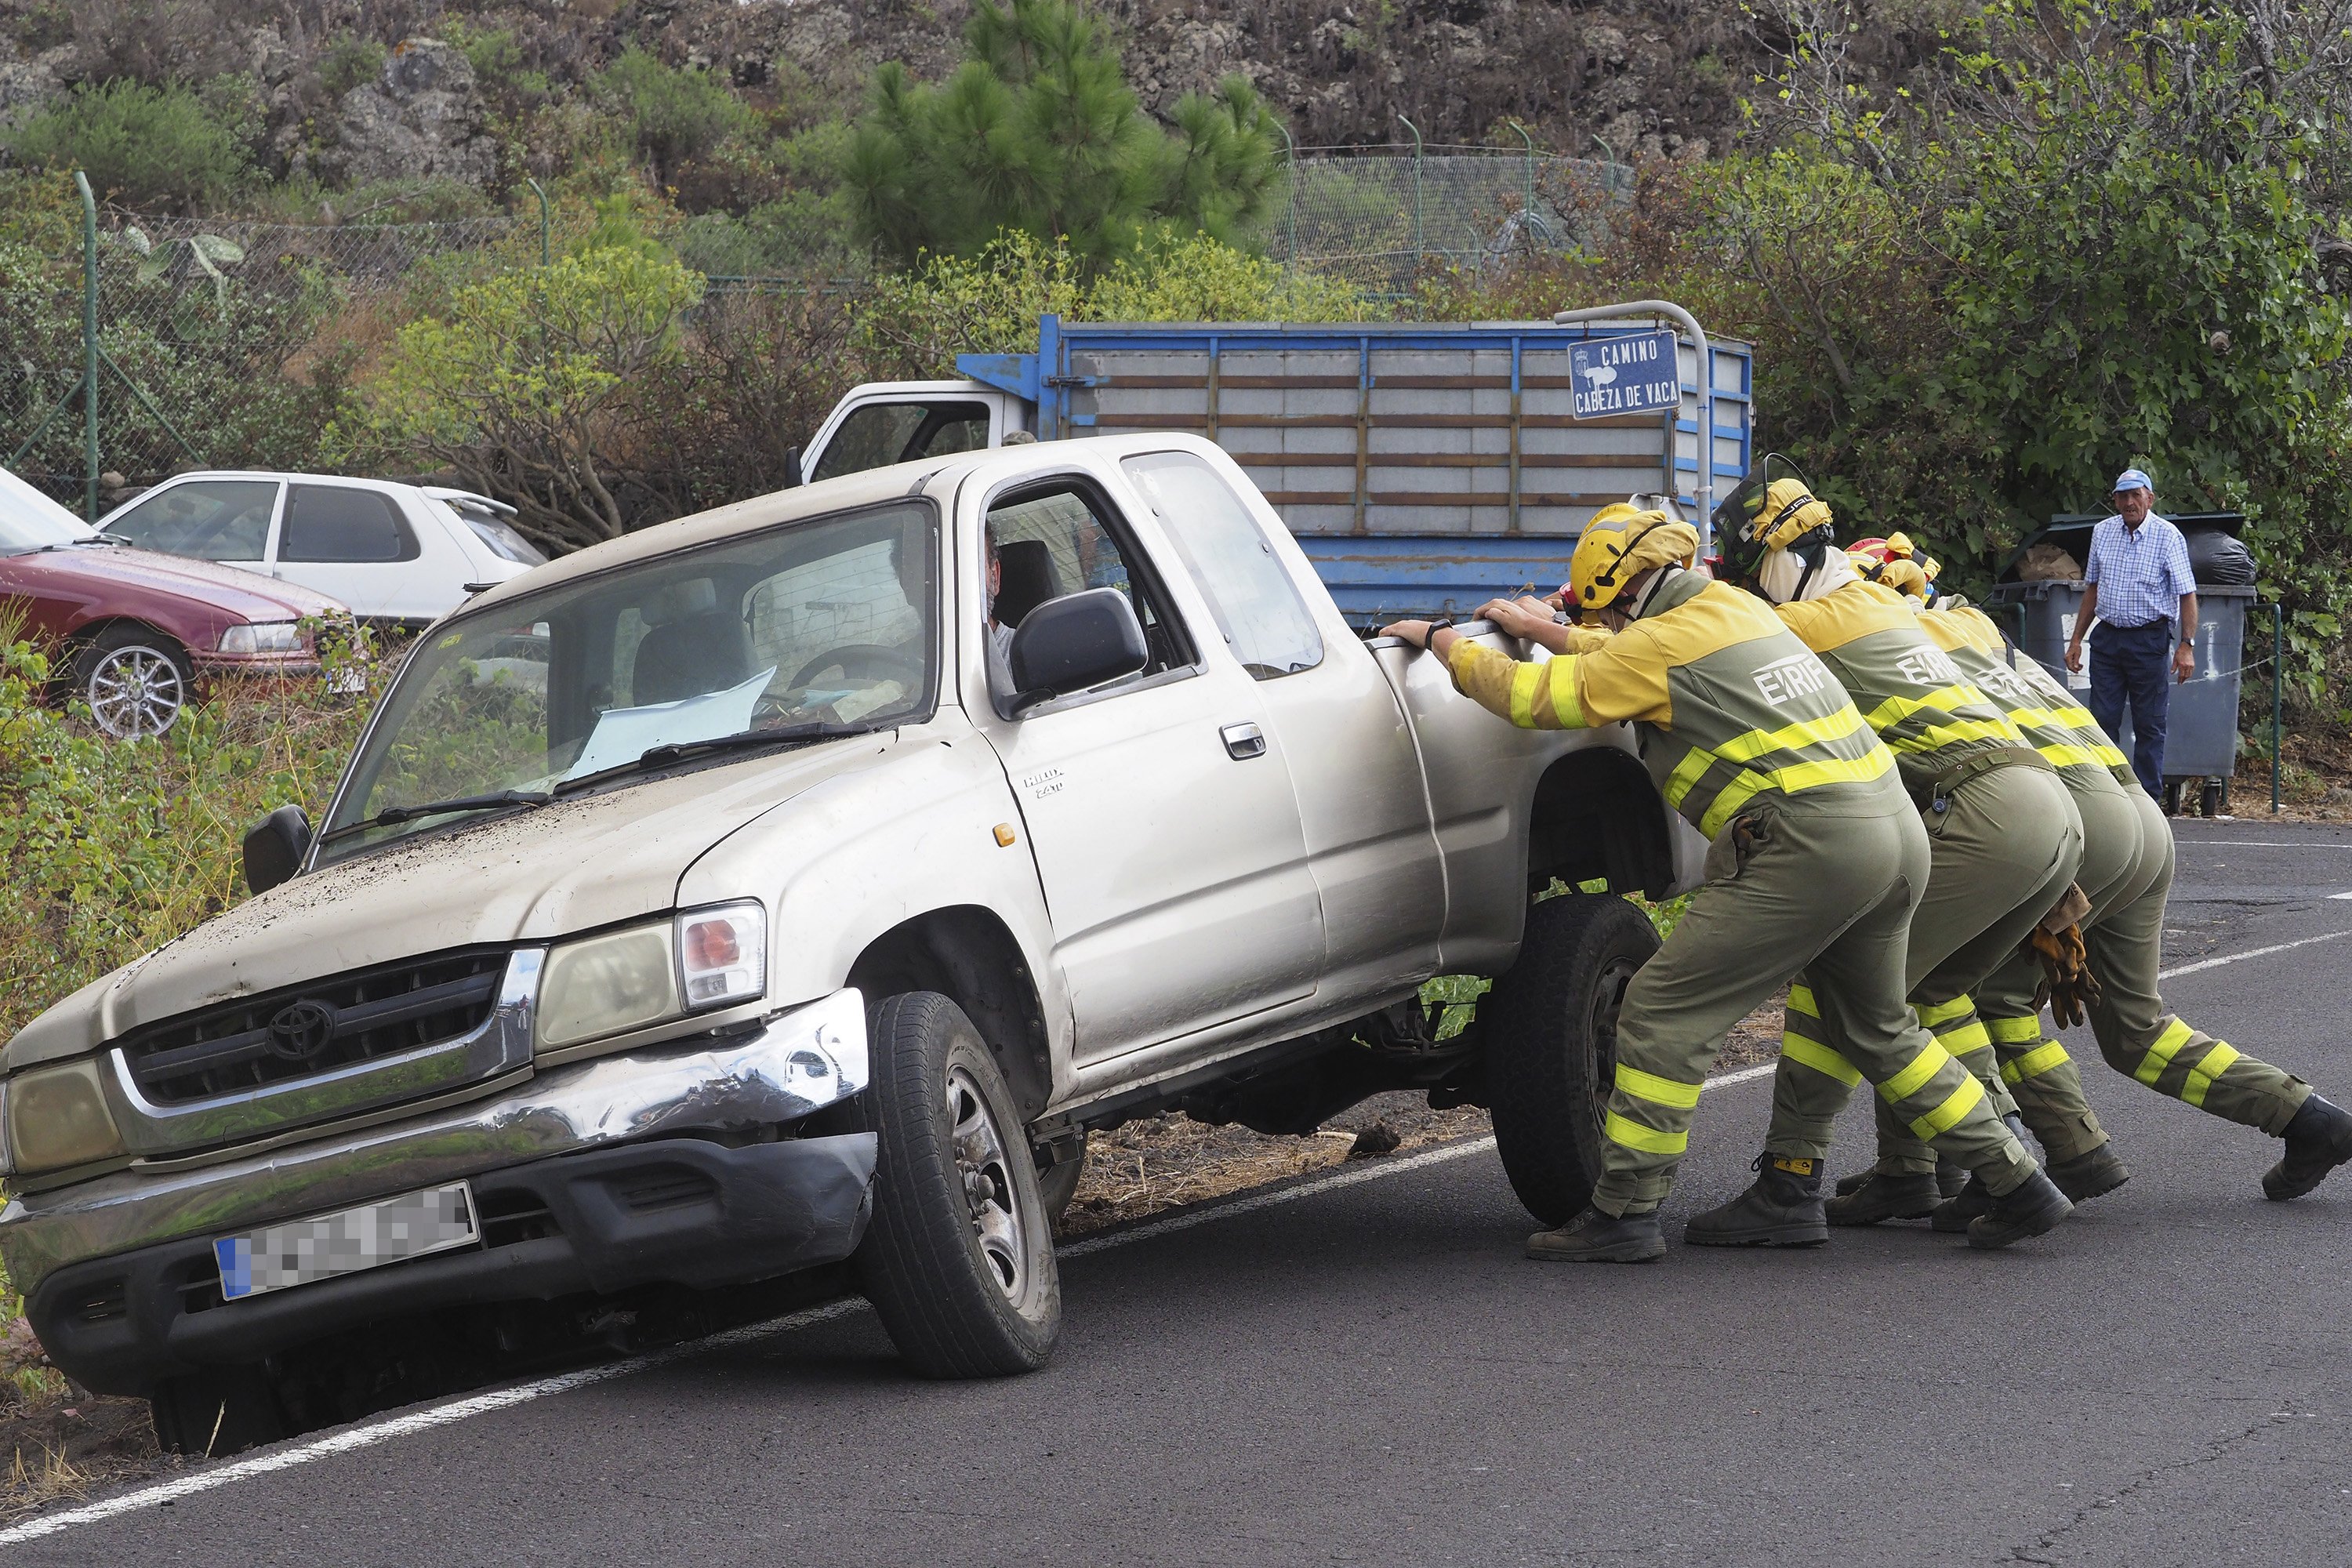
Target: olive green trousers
(1823, 883)
(2123, 937)
(2002, 849)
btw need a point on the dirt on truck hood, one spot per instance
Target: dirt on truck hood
(571, 865)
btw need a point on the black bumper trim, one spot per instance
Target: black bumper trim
(681, 1211)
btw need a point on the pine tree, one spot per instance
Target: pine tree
(1037, 130)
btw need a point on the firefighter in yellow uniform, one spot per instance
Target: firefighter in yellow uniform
(2126, 875)
(1817, 860)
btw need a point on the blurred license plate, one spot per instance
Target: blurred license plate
(306, 1250)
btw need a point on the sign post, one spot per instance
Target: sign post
(1703, 490)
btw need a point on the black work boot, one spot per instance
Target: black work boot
(1596, 1237)
(1887, 1195)
(2086, 1176)
(2033, 1207)
(2318, 1140)
(1783, 1207)
(1952, 1217)
(1950, 1177)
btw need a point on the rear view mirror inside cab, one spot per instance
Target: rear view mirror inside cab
(1069, 644)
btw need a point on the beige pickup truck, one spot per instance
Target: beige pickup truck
(798, 883)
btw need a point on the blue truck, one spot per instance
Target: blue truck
(1424, 467)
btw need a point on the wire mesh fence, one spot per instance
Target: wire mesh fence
(225, 342)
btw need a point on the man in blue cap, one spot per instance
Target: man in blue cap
(2138, 586)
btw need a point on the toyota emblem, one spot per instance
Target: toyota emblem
(301, 1030)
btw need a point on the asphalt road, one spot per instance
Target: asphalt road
(1372, 1374)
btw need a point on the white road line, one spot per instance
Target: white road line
(2261, 843)
(368, 1436)
(2251, 953)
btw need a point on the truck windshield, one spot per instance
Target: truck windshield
(814, 629)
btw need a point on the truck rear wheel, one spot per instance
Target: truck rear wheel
(959, 1260)
(1550, 1026)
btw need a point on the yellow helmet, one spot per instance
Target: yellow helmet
(1621, 543)
(1894, 562)
(1764, 514)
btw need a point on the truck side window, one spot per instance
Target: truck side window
(880, 434)
(1061, 539)
(1258, 606)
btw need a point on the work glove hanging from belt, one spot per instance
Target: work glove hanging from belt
(2057, 945)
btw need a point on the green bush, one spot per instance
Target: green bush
(675, 116)
(351, 62)
(145, 147)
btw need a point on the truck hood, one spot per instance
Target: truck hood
(571, 865)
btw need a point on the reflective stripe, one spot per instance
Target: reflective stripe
(1564, 705)
(2033, 1063)
(1820, 1057)
(1895, 710)
(1961, 1041)
(2015, 1031)
(1912, 1078)
(2070, 757)
(1789, 737)
(1945, 1012)
(1936, 737)
(1800, 1000)
(2073, 718)
(1658, 1090)
(2160, 1054)
(1686, 774)
(1649, 1140)
(2200, 1077)
(1947, 1116)
(1522, 694)
(1795, 779)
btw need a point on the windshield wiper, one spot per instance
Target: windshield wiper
(670, 752)
(392, 816)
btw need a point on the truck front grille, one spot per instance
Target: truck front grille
(301, 1032)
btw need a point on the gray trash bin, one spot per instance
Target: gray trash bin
(2201, 734)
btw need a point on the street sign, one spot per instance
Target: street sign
(1640, 375)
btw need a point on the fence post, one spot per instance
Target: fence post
(1527, 188)
(89, 345)
(1409, 125)
(541, 195)
(1290, 151)
(2278, 674)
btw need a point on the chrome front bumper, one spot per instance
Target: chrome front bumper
(793, 1064)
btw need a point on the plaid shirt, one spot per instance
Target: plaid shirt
(2141, 571)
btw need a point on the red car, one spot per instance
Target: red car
(142, 630)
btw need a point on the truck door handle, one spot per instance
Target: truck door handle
(1243, 742)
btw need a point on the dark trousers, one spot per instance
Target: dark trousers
(2133, 665)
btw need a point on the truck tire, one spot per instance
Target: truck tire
(206, 1415)
(1550, 1025)
(959, 1260)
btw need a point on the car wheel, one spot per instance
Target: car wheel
(959, 1260)
(216, 1413)
(135, 680)
(1550, 1028)
(1058, 1184)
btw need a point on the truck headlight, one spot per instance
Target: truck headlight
(57, 1117)
(263, 637)
(607, 984)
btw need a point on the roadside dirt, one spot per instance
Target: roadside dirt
(59, 1445)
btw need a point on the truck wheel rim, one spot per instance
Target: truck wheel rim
(135, 691)
(995, 1211)
(1601, 1027)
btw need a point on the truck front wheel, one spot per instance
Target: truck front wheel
(959, 1260)
(1550, 1026)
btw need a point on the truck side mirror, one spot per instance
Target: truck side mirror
(793, 477)
(275, 846)
(1078, 640)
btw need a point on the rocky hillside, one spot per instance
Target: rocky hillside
(332, 93)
